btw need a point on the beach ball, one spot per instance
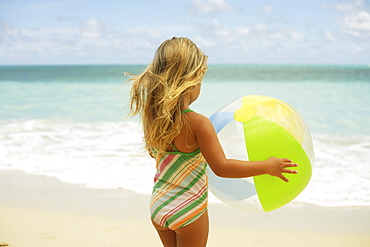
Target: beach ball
(255, 128)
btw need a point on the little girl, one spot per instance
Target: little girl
(183, 142)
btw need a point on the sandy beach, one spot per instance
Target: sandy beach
(37, 211)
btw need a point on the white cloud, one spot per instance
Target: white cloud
(220, 31)
(204, 42)
(348, 6)
(211, 6)
(91, 29)
(249, 42)
(267, 8)
(351, 32)
(260, 27)
(153, 32)
(7, 29)
(296, 35)
(359, 20)
(89, 43)
(354, 17)
(261, 39)
(330, 36)
(243, 30)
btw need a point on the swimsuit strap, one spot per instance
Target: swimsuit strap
(176, 150)
(187, 110)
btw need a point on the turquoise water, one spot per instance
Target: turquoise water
(72, 93)
(67, 122)
(331, 98)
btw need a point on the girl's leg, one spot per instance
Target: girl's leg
(167, 236)
(195, 234)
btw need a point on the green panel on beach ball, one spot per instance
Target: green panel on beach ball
(264, 139)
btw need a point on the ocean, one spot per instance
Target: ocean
(69, 122)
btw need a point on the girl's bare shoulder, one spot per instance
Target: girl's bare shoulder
(198, 122)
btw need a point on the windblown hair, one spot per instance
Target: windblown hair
(157, 93)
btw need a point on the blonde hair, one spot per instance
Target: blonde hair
(157, 93)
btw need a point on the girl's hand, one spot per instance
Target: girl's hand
(276, 167)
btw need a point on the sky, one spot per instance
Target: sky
(43, 32)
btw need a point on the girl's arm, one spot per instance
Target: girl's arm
(213, 153)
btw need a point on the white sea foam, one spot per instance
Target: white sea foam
(111, 155)
(341, 174)
(98, 155)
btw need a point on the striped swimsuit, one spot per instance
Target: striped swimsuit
(180, 193)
